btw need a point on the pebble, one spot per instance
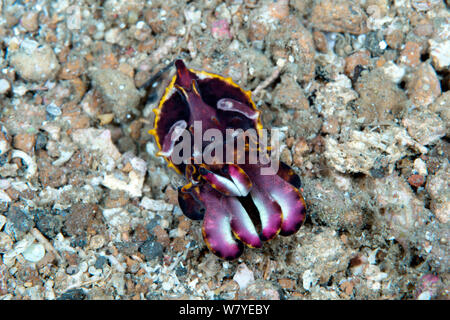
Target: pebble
(112, 35)
(34, 253)
(19, 247)
(73, 294)
(440, 54)
(243, 276)
(321, 255)
(116, 217)
(424, 86)
(425, 127)
(92, 139)
(151, 249)
(289, 94)
(361, 58)
(72, 69)
(442, 212)
(5, 87)
(394, 39)
(394, 72)
(410, 55)
(309, 279)
(286, 283)
(420, 167)
(30, 21)
(260, 290)
(320, 41)
(220, 30)
(97, 242)
(2, 221)
(118, 90)
(24, 142)
(100, 262)
(424, 5)
(35, 64)
(437, 185)
(379, 98)
(416, 180)
(133, 187)
(339, 16)
(155, 205)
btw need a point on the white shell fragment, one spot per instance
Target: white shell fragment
(34, 253)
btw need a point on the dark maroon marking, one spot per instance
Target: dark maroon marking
(191, 206)
(184, 76)
(289, 175)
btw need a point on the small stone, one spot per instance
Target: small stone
(321, 255)
(393, 71)
(53, 110)
(151, 249)
(309, 279)
(410, 55)
(30, 21)
(416, 180)
(112, 35)
(331, 126)
(442, 211)
(100, 262)
(290, 95)
(437, 184)
(440, 54)
(81, 217)
(2, 221)
(220, 30)
(24, 142)
(424, 126)
(243, 276)
(299, 150)
(72, 69)
(286, 283)
(260, 290)
(5, 87)
(20, 220)
(394, 39)
(106, 118)
(35, 63)
(97, 242)
(320, 41)
(34, 253)
(425, 5)
(50, 175)
(347, 287)
(424, 29)
(428, 287)
(420, 166)
(117, 218)
(155, 205)
(339, 16)
(161, 235)
(118, 90)
(424, 86)
(375, 43)
(361, 58)
(96, 140)
(73, 294)
(171, 196)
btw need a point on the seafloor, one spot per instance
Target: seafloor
(359, 88)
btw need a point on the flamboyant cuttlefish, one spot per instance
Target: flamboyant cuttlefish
(236, 201)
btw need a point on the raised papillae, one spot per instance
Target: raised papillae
(238, 202)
